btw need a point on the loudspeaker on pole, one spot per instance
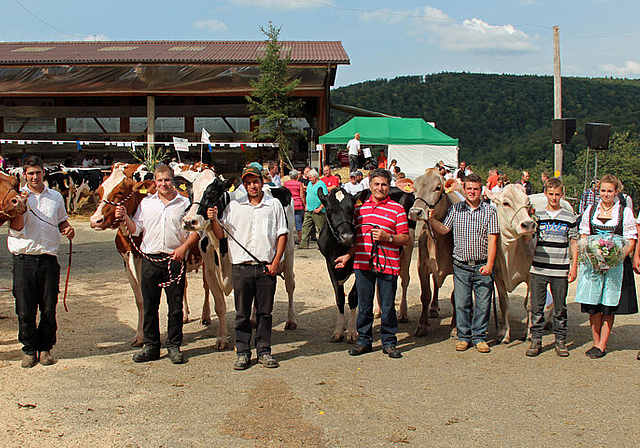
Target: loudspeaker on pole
(562, 129)
(597, 135)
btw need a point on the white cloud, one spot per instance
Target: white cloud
(284, 4)
(631, 68)
(214, 25)
(95, 37)
(454, 35)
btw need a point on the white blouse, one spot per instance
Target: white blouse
(629, 230)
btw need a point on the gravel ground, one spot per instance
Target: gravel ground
(319, 397)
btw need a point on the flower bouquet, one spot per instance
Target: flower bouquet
(602, 252)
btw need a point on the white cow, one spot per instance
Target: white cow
(515, 253)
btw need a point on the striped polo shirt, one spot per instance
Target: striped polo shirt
(551, 256)
(390, 217)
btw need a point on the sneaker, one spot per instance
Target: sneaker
(595, 353)
(176, 356)
(268, 361)
(392, 351)
(462, 346)
(359, 349)
(29, 361)
(46, 359)
(243, 361)
(561, 349)
(147, 354)
(483, 347)
(536, 347)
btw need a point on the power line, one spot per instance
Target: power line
(44, 21)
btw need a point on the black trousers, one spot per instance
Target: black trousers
(153, 273)
(251, 284)
(36, 281)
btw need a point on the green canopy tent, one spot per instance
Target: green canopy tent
(413, 142)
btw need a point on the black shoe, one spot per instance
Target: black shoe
(147, 354)
(392, 351)
(359, 349)
(561, 349)
(536, 347)
(595, 353)
(176, 356)
(243, 361)
(268, 361)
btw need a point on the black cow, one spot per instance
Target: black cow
(84, 184)
(334, 240)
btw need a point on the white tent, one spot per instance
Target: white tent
(414, 159)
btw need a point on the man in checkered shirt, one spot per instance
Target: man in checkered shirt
(475, 236)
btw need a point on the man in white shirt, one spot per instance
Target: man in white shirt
(164, 247)
(275, 177)
(33, 240)
(353, 147)
(257, 222)
(353, 186)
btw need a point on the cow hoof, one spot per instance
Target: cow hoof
(206, 321)
(403, 320)
(420, 332)
(221, 345)
(505, 340)
(337, 338)
(454, 333)
(433, 314)
(137, 342)
(352, 338)
(290, 326)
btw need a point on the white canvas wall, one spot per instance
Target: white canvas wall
(414, 159)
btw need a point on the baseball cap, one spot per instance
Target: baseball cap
(353, 174)
(251, 170)
(256, 165)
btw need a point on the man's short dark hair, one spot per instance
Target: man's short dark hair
(381, 172)
(554, 182)
(32, 161)
(472, 178)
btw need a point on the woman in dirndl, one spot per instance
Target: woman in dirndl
(603, 295)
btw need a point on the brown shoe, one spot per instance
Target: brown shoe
(29, 361)
(483, 347)
(46, 359)
(462, 346)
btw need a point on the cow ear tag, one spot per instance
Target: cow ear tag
(233, 187)
(143, 190)
(358, 202)
(183, 187)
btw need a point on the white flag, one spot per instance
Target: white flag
(205, 136)
(181, 144)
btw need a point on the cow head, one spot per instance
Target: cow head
(429, 190)
(340, 209)
(118, 189)
(514, 208)
(12, 202)
(207, 192)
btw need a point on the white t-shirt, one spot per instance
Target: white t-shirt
(38, 237)
(256, 227)
(353, 188)
(353, 146)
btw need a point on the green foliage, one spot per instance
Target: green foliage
(150, 156)
(271, 102)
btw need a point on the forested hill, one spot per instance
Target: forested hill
(499, 118)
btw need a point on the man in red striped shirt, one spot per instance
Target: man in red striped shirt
(381, 226)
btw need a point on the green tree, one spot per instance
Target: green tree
(271, 102)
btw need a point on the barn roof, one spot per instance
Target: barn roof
(165, 52)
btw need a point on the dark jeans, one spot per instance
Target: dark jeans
(472, 316)
(353, 163)
(366, 287)
(251, 284)
(559, 286)
(153, 273)
(36, 280)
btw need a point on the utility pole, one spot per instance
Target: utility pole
(557, 99)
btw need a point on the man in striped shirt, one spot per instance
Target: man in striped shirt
(381, 228)
(475, 235)
(556, 239)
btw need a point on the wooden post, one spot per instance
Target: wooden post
(151, 123)
(557, 99)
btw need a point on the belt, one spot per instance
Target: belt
(36, 257)
(472, 263)
(252, 263)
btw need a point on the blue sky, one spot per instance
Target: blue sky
(383, 39)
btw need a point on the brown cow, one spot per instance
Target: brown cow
(12, 203)
(435, 251)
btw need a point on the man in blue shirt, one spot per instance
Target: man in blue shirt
(314, 213)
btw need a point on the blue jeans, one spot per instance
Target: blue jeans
(299, 217)
(472, 317)
(366, 287)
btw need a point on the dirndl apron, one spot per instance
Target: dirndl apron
(613, 292)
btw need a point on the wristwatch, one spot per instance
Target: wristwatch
(391, 238)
